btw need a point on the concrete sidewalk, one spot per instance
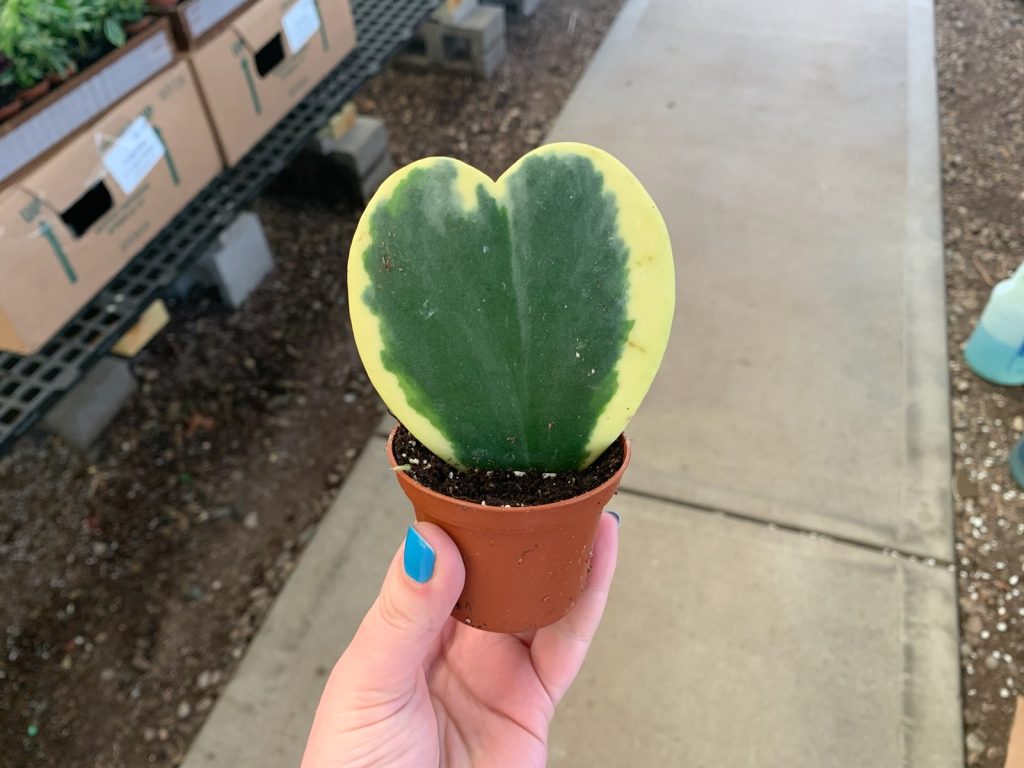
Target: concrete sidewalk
(784, 595)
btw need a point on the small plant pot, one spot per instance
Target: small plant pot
(133, 28)
(56, 79)
(525, 566)
(36, 92)
(10, 108)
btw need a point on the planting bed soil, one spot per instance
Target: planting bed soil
(501, 488)
(134, 578)
(981, 81)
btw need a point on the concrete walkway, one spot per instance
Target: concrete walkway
(784, 595)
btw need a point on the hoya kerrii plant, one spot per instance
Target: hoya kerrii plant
(513, 324)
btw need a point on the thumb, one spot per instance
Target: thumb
(404, 624)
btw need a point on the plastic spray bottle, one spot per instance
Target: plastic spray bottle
(995, 350)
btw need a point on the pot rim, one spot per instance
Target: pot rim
(530, 509)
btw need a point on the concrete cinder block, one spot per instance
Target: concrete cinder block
(474, 35)
(375, 176)
(423, 50)
(239, 261)
(360, 148)
(82, 415)
(477, 44)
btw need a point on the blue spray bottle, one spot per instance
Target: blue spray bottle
(995, 350)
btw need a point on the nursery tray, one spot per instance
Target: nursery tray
(29, 385)
(44, 124)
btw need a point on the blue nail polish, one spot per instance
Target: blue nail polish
(419, 557)
(618, 520)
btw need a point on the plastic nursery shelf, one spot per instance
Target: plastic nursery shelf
(29, 385)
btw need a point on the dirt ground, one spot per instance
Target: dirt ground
(134, 578)
(981, 80)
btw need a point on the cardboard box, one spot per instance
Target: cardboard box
(68, 226)
(195, 21)
(46, 123)
(263, 64)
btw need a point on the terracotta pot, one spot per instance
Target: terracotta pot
(525, 566)
(134, 27)
(11, 108)
(56, 79)
(37, 91)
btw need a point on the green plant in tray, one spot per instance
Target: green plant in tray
(41, 38)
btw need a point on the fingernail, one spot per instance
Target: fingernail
(419, 557)
(618, 520)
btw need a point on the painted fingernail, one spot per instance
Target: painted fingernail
(419, 557)
(618, 520)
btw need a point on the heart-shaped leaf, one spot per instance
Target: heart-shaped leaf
(514, 324)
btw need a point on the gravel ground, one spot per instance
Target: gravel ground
(134, 578)
(981, 77)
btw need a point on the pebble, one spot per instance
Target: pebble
(193, 592)
(184, 710)
(973, 624)
(975, 746)
(251, 521)
(1018, 423)
(204, 679)
(204, 704)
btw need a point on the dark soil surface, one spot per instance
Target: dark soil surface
(502, 488)
(134, 578)
(981, 78)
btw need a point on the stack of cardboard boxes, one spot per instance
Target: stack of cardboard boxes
(90, 176)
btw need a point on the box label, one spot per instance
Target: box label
(135, 153)
(300, 23)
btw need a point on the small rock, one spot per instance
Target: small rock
(333, 478)
(163, 734)
(975, 746)
(1018, 423)
(222, 512)
(204, 704)
(961, 385)
(251, 521)
(965, 487)
(149, 733)
(107, 674)
(991, 662)
(184, 710)
(204, 680)
(973, 625)
(193, 592)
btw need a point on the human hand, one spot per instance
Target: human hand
(417, 688)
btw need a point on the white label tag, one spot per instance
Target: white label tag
(300, 22)
(135, 153)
